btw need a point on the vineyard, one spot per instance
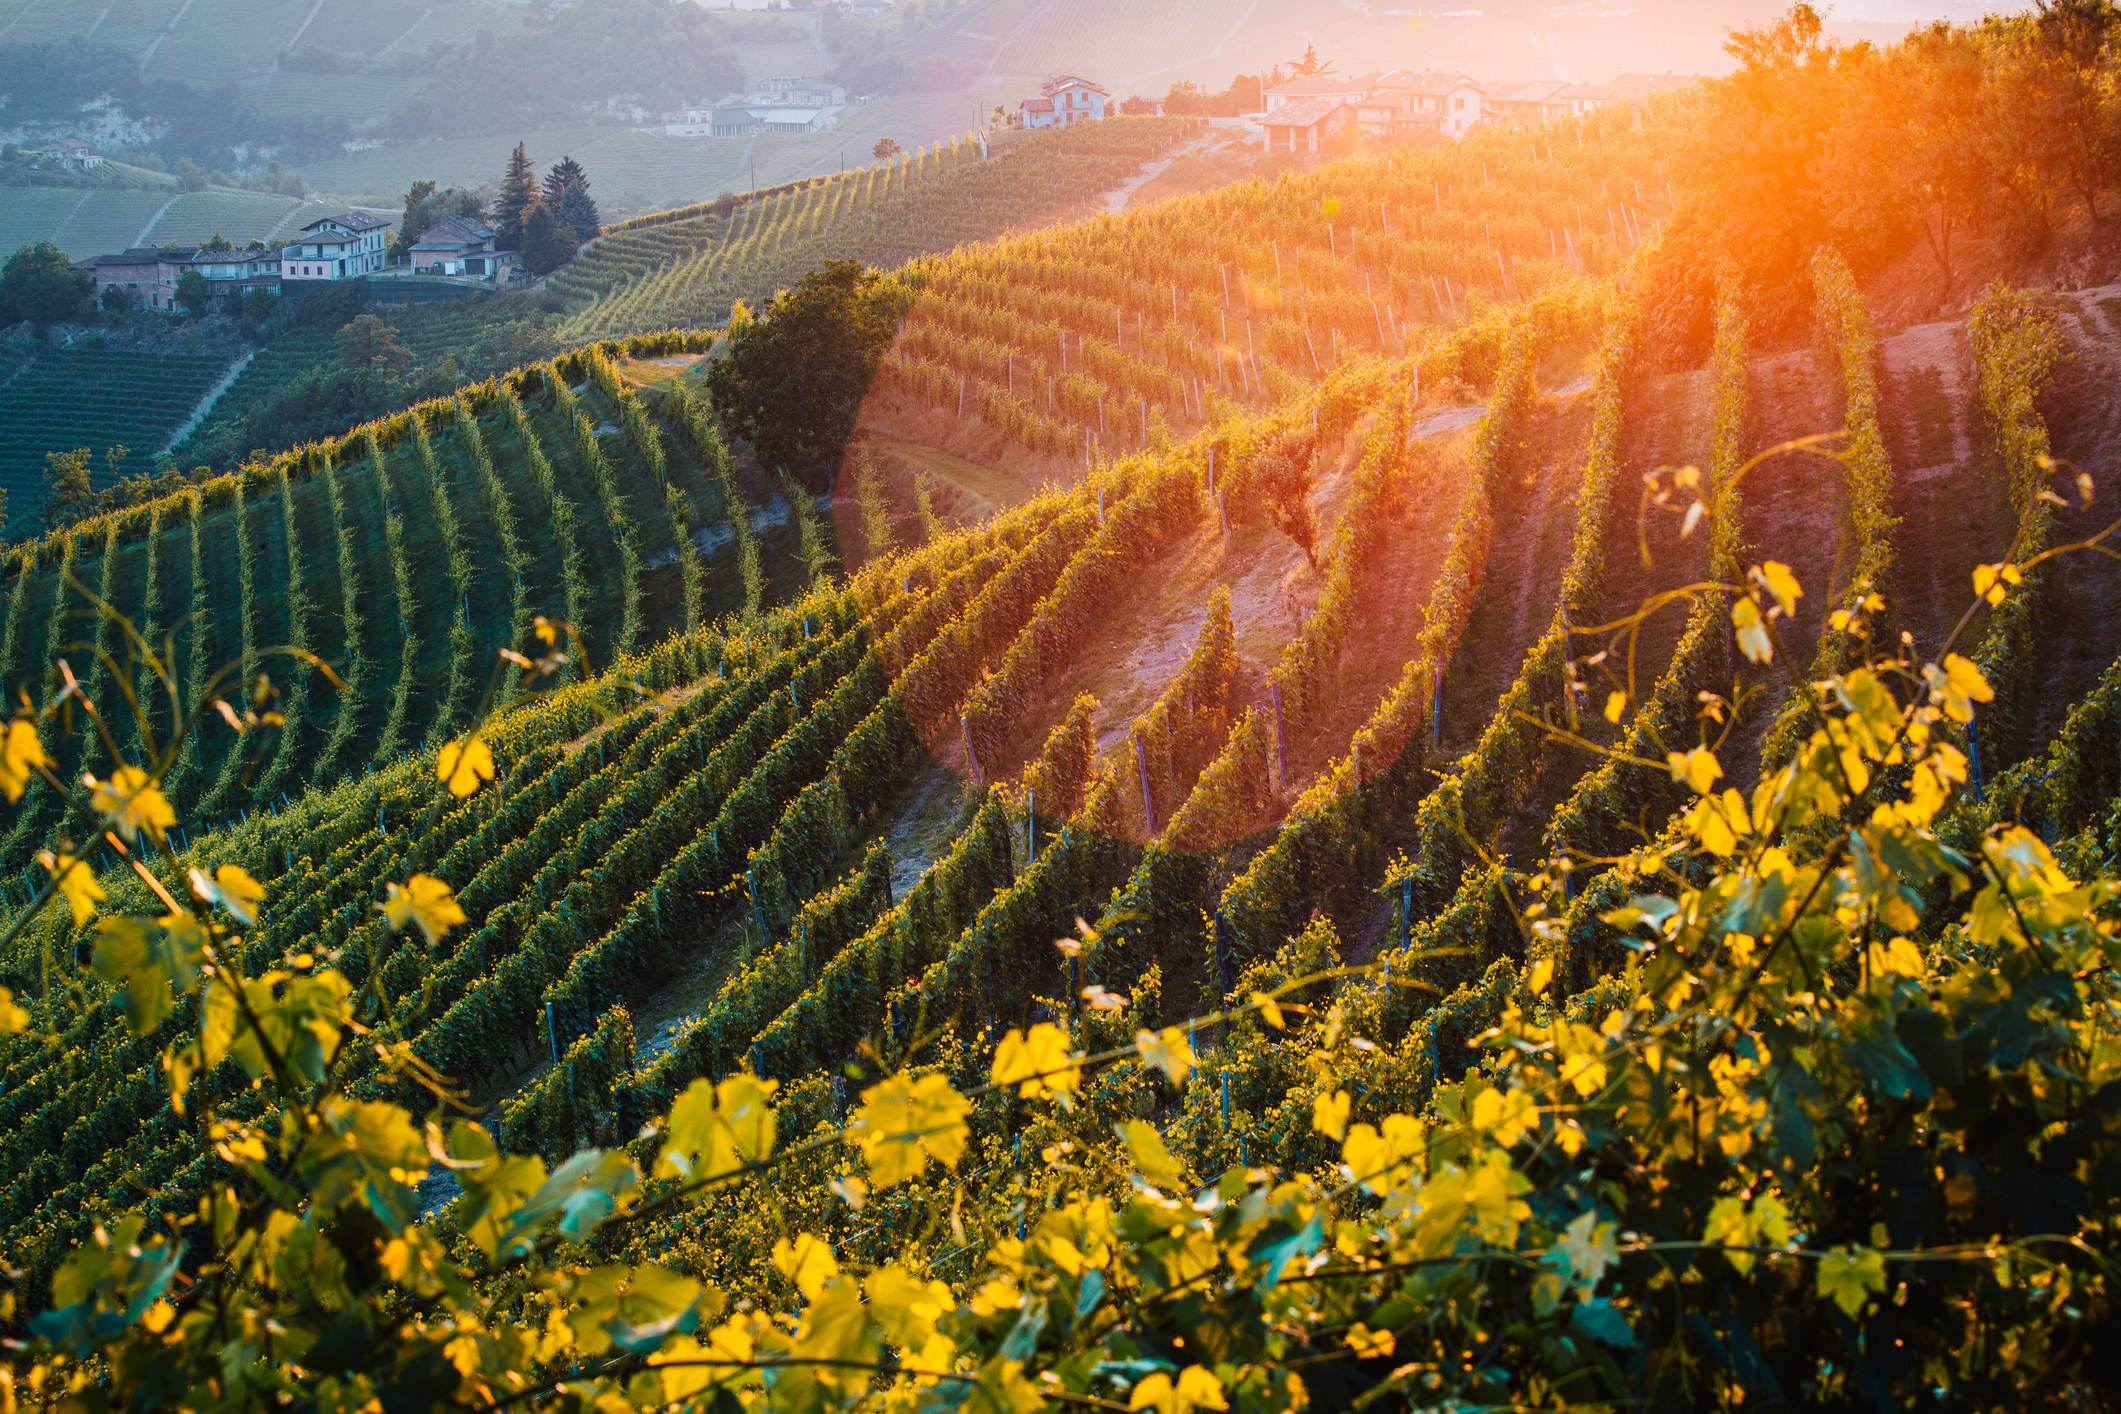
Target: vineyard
(1428, 696)
(94, 398)
(691, 265)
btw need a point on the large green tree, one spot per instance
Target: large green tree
(793, 379)
(39, 284)
(67, 495)
(548, 243)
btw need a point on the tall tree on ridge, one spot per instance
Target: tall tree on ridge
(519, 188)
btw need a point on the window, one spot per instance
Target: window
(1458, 103)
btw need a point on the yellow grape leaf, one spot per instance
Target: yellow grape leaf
(1898, 958)
(1152, 1160)
(1363, 1343)
(1329, 1114)
(1848, 1276)
(132, 801)
(1616, 703)
(20, 757)
(1780, 583)
(13, 1019)
(1699, 768)
(1753, 640)
(716, 1130)
(464, 765)
(1195, 1388)
(1172, 1052)
(1957, 686)
(1993, 582)
(1269, 1010)
(903, 1123)
(232, 888)
(1038, 1064)
(1718, 822)
(77, 881)
(1505, 1116)
(425, 902)
(807, 1262)
(906, 1307)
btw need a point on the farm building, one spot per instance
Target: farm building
(1306, 126)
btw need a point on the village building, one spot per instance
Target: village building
(342, 247)
(1064, 101)
(71, 154)
(461, 246)
(150, 273)
(1309, 88)
(1306, 126)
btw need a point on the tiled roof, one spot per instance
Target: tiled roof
(1307, 114)
(1428, 83)
(1524, 90)
(1318, 86)
(454, 233)
(355, 221)
(1056, 82)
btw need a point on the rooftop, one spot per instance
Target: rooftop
(1308, 113)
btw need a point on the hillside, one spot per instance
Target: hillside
(1571, 888)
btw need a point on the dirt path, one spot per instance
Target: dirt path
(1796, 511)
(1535, 518)
(1953, 507)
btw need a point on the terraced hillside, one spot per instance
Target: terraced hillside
(866, 812)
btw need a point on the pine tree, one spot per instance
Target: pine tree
(578, 210)
(565, 173)
(519, 188)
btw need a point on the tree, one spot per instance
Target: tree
(368, 343)
(567, 193)
(117, 301)
(793, 379)
(1310, 65)
(2072, 39)
(40, 284)
(193, 292)
(218, 243)
(67, 495)
(886, 148)
(519, 188)
(565, 173)
(547, 242)
(410, 227)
